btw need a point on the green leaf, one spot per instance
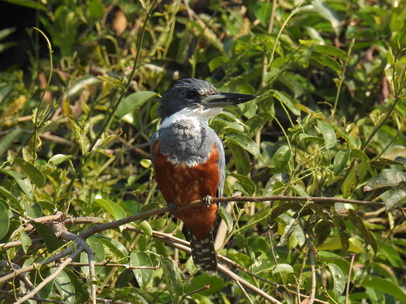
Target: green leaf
(340, 161)
(244, 142)
(7, 194)
(4, 220)
(173, 279)
(113, 81)
(328, 133)
(257, 122)
(25, 241)
(117, 250)
(384, 286)
(262, 11)
(217, 62)
(338, 278)
(215, 282)
(385, 179)
(99, 254)
(322, 231)
(112, 208)
(244, 184)
(134, 101)
(287, 101)
(330, 50)
(280, 160)
(9, 139)
(65, 287)
(48, 235)
(354, 143)
(327, 13)
(227, 218)
(24, 183)
(96, 8)
(32, 172)
(145, 228)
(284, 268)
(241, 159)
(58, 159)
(36, 5)
(283, 207)
(396, 199)
(366, 234)
(143, 276)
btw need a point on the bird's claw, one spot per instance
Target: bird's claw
(207, 200)
(173, 208)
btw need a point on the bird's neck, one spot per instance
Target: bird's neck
(196, 116)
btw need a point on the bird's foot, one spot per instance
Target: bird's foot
(173, 208)
(207, 200)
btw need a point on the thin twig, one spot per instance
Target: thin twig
(205, 287)
(33, 298)
(312, 268)
(62, 232)
(37, 265)
(347, 289)
(244, 291)
(247, 284)
(50, 277)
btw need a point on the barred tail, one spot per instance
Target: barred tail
(203, 253)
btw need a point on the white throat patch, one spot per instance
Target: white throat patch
(195, 116)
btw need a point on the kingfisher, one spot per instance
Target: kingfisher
(188, 158)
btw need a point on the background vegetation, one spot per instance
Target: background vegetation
(78, 106)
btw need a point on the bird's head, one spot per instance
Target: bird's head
(194, 97)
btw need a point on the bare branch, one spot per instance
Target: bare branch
(50, 277)
(312, 268)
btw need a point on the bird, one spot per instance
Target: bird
(189, 161)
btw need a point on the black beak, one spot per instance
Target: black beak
(225, 99)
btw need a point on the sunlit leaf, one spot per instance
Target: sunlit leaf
(280, 160)
(284, 268)
(59, 159)
(4, 220)
(134, 101)
(366, 234)
(173, 279)
(143, 276)
(396, 199)
(328, 133)
(65, 286)
(341, 160)
(145, 228)
(338, 278)
(112, 208)
(245, 142)
(32, 172)
(25, 241)
(327, 13)
(385, 179)
(227, 218)
(384, 286)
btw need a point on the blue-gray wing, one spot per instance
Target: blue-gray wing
(151, 145)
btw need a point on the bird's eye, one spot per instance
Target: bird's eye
(191, 94)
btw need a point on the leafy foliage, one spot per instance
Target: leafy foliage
(329, 122)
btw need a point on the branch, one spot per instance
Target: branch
(139, 216)
(17, 272)
(177, 243)
(50, 277)
(312, 268)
